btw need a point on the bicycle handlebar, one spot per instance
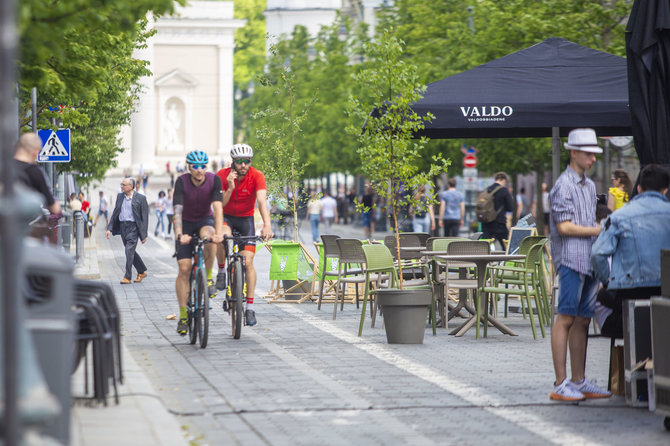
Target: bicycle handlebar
(243, 238)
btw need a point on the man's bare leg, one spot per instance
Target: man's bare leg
(577, 340)
(559, 345)
(251, 286)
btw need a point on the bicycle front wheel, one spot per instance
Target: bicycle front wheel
(203, 307)
(237, 299)
(192, 309)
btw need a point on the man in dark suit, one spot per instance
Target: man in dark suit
(130, 219)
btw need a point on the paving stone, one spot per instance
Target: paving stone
(300, 378)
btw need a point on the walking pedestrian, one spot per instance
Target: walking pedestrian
(423, 217)
(314, 206)
(328, 210)
(452, 209)
(573, 231)
(169, 212)
(502, 203)
(102, 209)
(521, 203)
(130, 219)
(160, 214)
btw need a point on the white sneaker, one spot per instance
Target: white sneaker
(566, 392)
(590, 389)
(163, 235)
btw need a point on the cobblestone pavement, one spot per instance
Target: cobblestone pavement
(301, 378)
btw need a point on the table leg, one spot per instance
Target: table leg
(460, 331)
(483, 302)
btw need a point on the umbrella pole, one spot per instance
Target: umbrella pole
(555, 153)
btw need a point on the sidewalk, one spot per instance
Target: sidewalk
(140, 418)
(301, 378)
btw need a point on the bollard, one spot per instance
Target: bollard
(65, 233)
(79, 237)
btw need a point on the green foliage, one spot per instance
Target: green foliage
(389, 154)
(78, 53)
(445, 38)
(249, 42)
(320, 66)
(451, 39)
(278, 155)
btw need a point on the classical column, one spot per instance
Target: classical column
(143, 121)
(225, 98)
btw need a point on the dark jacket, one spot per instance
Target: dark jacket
(503, 201)
(140, 214)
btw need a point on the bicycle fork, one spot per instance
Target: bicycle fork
(229, 293)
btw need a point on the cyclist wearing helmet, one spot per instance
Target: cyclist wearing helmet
(243, 186)
(196, 193)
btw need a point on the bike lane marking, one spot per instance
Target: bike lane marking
(552, 432)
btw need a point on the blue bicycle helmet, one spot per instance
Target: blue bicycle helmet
(197, 157)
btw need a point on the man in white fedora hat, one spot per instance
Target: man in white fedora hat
(573, 231)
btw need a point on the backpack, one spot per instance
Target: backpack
(485, 208)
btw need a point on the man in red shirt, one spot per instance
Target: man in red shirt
(243, 186)
(85, 205)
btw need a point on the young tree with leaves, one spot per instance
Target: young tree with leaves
(278, 153)
(389, 154)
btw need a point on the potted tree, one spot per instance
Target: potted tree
(391, 159)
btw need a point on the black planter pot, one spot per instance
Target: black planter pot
(405, 314)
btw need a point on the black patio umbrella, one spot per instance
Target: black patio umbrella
(648, 58)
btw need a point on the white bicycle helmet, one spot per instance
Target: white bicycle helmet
(241, 151)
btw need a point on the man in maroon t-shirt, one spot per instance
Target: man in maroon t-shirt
(196, 193)
(243, 186)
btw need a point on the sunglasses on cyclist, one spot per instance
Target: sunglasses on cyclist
(242, 161)
(199, 166)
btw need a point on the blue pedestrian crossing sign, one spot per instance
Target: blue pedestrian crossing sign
(55, 146)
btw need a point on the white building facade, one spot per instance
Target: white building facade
(282, 16)
(188, 102)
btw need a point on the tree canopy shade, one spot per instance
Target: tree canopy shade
(555, 83)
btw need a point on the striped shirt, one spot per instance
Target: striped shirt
(126, 213)
(572, 199)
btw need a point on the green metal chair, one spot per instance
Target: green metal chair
(512, 276)
(330, 251)
(526, 287)
(351, 258)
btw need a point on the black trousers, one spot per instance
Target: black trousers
(129, 236)
(451, 227)
(495, 230)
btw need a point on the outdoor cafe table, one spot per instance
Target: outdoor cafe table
(481, 261)
(453, 310)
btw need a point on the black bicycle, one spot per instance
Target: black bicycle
(198, 296)
(236, 284)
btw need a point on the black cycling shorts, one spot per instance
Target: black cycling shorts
(190, 228)
(245, 227)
